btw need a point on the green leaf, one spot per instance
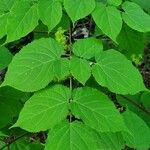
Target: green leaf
(80, 69)
(61, 69)
(140, 133)
(10, 105)
(5, 5)
(2, 144)
(78, 9)
(2, 134)
(69, 136)
(25, 144)
(115, 72)
(135, 17)
(5, 57)
(114, 2)
(50, 12)
(145, 100)
(113, 21)
(87, 48)
(35, 66)
(96, 110)
(128, 41)
(44, 109)
(145, 4)
(3, 22)
(22, 20)
(132, 101)
(110, 141)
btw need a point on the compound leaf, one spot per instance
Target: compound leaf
(44, 109)
(115, 72)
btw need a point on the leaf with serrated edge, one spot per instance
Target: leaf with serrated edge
(80, 69)
(114, 71)
(108, 19)
(78, 9)
(34, 66)
(22, 20)
(96, 110)
(70, 136)
(137, 128)
(44, 109)
(50, 12)
(110, 141)
(87, 48)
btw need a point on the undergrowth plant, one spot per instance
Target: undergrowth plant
(71, 75)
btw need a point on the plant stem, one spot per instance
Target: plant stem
(70, 53)
(8, 145)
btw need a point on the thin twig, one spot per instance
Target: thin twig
(7, 145)
(70, 53)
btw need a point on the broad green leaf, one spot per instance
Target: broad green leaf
(2, 144)
(2, 134)
(78, 9)
(114, 2)
(110, 141)
(35, 66)
(114, 71)
(10, 105)
(71, 136)
(140, 133)
(108, 19)
(145, 4)
(60, 69)
(20, 144)
(128, 41)
(64, 23)
(5, 57)
(22, 19)
(3, 23)
(87, 48)
(5, 5)
(135, 17)
(145, 100)
(25, 144)
(132, 101)
(96, 110)
(44, 109)
(80, 69)
(50, 12)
